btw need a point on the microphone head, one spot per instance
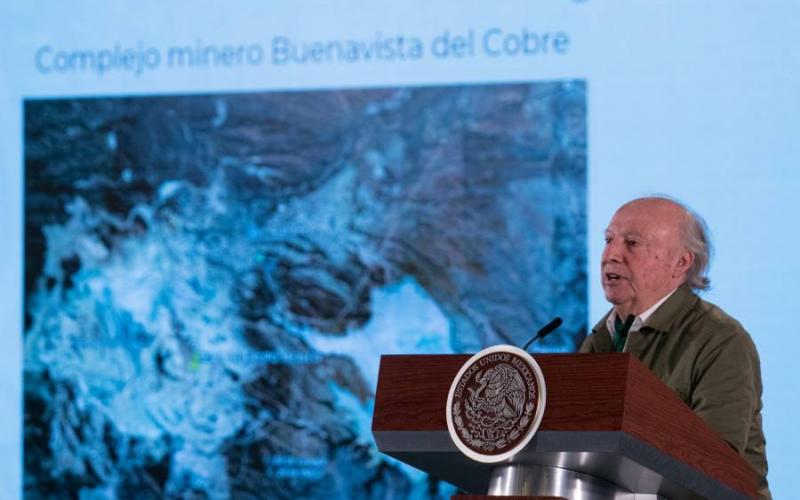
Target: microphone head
(546, 330)
(549, 327)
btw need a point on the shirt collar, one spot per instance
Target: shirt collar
(662, 320)
(641, 319)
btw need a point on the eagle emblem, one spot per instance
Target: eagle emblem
(493, 402)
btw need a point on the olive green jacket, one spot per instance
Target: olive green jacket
(710, 361)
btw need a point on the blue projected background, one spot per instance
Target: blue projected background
(218, 217)
(210, 279)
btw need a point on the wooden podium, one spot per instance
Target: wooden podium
(607, 419)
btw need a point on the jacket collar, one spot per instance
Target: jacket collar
(664, 317)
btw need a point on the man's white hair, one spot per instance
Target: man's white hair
(695, 237)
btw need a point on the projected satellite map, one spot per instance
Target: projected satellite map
(210, 280)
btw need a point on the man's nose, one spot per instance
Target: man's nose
(611, 253)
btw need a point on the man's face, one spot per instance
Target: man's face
(643, 259)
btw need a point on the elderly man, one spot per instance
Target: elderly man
(656, 254)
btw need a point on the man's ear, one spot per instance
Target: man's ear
(685, 261)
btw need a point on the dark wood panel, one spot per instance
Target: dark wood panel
(412, 391)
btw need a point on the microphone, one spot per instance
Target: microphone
(545, 331)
